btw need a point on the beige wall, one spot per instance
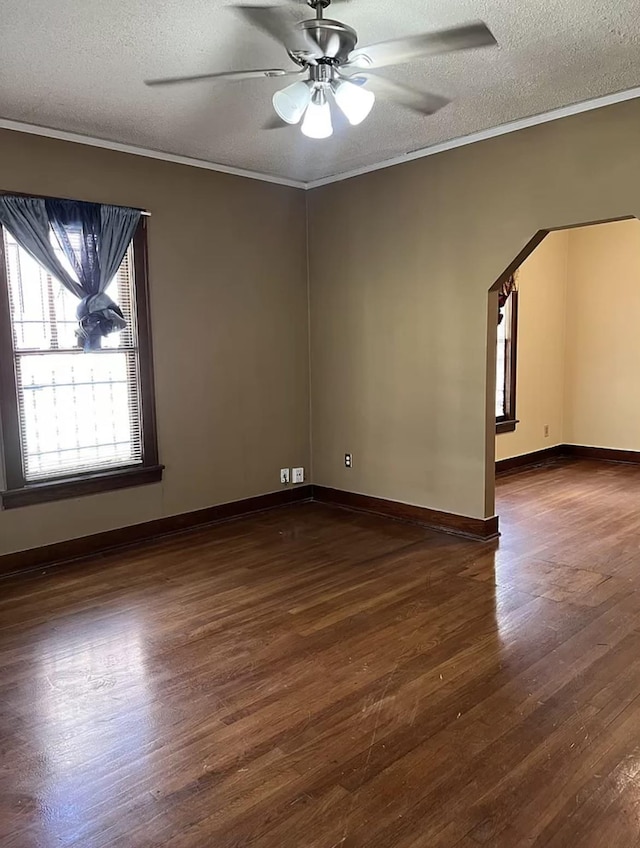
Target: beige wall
(403, 368)
(602, 389)
(540, 395)
(402, 330)
(229, 308)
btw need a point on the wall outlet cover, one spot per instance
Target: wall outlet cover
(298, 475)
(285, 475)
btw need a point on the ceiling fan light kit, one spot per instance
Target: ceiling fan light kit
(339, 73)
(311, 99)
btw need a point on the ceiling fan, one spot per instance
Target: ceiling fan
(335, 71)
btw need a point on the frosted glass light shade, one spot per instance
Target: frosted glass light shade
(317, 119)
(291, 102)
(355, 101)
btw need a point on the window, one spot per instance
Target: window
(506, 366)
(73, 422)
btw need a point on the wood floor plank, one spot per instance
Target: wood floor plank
(316, 678)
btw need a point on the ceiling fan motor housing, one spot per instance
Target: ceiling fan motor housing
(329, 40)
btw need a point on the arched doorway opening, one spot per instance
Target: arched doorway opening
(563, 352)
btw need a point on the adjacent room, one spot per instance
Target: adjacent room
(567, 420)
(567, 335)
(567, 358)
(311, 536)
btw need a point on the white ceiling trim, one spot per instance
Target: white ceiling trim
(79, 138)
(483, 135)
(493, 132)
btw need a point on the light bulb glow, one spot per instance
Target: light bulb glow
(317, 118)
(291, 102)
(355, 101)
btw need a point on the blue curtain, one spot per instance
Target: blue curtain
(504, 292)
(94, 239)
(26, 219)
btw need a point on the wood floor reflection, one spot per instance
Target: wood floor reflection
(312, 678)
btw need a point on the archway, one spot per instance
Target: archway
(523, 449)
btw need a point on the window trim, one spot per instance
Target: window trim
(507, 423)
(18, 491)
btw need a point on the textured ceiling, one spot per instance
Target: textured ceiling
(80, 67)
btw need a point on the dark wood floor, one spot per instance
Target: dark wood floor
(312, 678)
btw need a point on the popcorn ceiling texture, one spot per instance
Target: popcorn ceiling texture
(80, 67)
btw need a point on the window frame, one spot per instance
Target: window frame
(507, 423)
(18, 491)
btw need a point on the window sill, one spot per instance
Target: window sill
(86, 484)
(506, 426)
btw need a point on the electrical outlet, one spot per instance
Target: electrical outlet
(546, 431)
(298, 475)
(285, 476)
(348, 461)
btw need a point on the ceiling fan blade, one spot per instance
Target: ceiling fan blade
(418, 101)
(400, 50)
(275, 21)
(232, 76)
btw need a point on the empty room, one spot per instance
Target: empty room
(319, 425)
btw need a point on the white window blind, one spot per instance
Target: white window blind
(77, 411)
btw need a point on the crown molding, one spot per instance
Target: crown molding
(432, 150)
(483, 135)
(79, 138)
